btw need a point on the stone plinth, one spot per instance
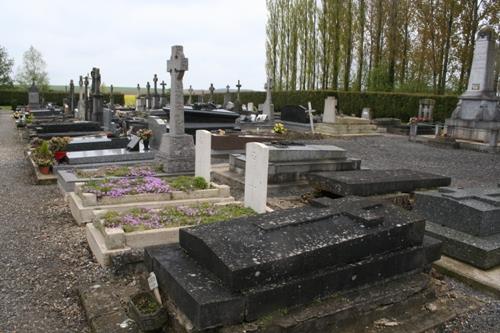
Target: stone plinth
(176, 153)
(240, 270)
(345, 126)
(375, 182)
(466, 220)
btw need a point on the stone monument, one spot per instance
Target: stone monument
(237, 104)
(227, 97)
(211, 89)
(163, 97)
(72, 98)
(87, 112)
(81, 100)
(111, 98)
(425, 109)
(268, 109)
(33, 97)
(190, 100)
(148, 96)
(477, 115)
(177, 150)
(156, 96)
(97, 98)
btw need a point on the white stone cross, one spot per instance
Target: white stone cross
(310, 111)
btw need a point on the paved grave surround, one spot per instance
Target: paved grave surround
(374, 182)
(467, 221)
(240, 270)
(289, 162)
(109, 156)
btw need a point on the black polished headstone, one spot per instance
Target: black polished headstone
(294, 113)
(374, 182)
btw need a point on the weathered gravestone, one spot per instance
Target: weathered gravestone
(467, 221)
(257, 157)
(330, 110)
(81, 100)
(176, 151)
(477, 115)
(33, 97)
(159, 127)
(375, 182)
(268, 107)
(240, 270)
(156, 97)
(97, 97)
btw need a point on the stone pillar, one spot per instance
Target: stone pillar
(256, 172)
(81, 101)
(87, 112)
(163, 98)
(177, 148)
(156, 96)
(268, 109)
(330, 110)
(202, 164)
(211, 89)
(72, 98)
(111, 98)
(97, 98)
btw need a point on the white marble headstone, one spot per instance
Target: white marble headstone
(329, 113)
(202, 161)
(256, 172)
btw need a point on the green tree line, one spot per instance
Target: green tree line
(374, 45)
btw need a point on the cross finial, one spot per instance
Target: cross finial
(211, 88)
(238, 85)
(227, 87)
(81, 81)
(177, 63)
(155, 78)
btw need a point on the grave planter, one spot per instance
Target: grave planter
(44, 170)
(145, 310)
(146, 144)
(59, 155)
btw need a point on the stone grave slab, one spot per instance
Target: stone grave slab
(253, 251)
(240, 270)
(374, 182)
(108, 156)
(473, 211)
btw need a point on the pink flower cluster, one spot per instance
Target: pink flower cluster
(118, 187)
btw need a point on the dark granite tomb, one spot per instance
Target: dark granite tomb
(240, 270)
(467, 221)
(295, 113)
(374, 182)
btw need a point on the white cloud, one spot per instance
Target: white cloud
(130, 40)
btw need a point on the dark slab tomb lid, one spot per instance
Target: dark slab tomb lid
(374, 182)
(269, 247)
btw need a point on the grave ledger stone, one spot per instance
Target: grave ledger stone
(466, 220)
(177, 149)
(240, 270)
(477, 115)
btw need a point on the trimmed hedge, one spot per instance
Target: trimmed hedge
(383, 105)
(20, 97)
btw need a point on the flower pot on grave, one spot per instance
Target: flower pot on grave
(44, 170)
(146, 144)
(59, 155)
(147, 312)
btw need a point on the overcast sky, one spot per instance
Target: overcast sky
(130, 40)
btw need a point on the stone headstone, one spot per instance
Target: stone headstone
(177, 148)
(33, 97)
(159, 127)
(97, 97)
(107, 117)
(257, 159)
(72, 98)
(330, 110)
(425, 109)
(190, 100)
(203, 154)
(366, 113)
(81, 100)
(87, 99)
(227, 97)
(211, 89)
(268, 107)
(163, 97)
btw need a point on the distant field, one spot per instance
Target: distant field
(129, 100)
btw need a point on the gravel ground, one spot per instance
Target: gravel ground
(44, 256)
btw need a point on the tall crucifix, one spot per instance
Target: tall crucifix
(176, 66)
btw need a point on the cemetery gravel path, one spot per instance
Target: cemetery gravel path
(43, 255)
